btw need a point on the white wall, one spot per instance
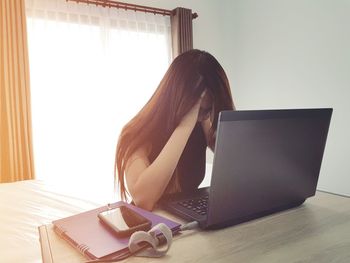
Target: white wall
(283, 54)
(294, 54)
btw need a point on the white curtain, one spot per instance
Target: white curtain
(92, 69)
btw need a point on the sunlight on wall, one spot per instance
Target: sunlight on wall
(86, 83)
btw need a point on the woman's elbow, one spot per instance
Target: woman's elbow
(143, 197)
(144, 203)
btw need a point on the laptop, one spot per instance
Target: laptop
(265, 161)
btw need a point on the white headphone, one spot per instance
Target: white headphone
(139, 238)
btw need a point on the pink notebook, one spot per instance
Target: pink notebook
(86, 233)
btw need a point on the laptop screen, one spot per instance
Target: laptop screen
(266, 159)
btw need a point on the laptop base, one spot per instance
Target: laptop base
(170, 204)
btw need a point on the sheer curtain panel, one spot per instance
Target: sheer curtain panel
(16, 158)
(92, 69)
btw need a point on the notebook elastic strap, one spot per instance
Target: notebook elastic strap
(150, 237)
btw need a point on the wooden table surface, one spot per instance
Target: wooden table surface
(317, 231)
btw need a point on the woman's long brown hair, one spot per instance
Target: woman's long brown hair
(187, 77)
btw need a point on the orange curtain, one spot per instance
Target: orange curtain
(181, 30)
(16, 155)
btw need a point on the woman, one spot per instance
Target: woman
(163, 148)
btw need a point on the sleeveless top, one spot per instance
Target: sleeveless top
(190, 169)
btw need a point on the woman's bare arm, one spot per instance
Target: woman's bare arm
(147, 181)
(206, 124)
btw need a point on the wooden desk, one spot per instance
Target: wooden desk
(317, 231)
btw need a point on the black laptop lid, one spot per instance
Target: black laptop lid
(265, 160)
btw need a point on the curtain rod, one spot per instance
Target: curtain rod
(127, 6)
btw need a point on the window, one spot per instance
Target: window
(92, 69)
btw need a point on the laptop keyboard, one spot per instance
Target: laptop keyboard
(198, 205)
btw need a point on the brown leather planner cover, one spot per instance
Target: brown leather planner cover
(91, 238)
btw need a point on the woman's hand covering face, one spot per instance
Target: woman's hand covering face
(205, 108)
